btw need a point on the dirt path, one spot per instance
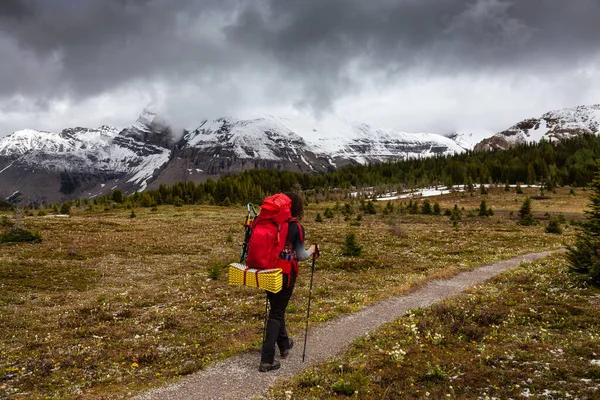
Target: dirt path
(238, 377)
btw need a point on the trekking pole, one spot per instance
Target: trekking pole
(312, 273)
(266, 317)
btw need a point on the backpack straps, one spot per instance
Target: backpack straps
(289, 239)
(294, 260)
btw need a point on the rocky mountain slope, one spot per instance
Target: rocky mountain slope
(554, 125)
(44, 167)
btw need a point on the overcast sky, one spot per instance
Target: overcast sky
(414, 65)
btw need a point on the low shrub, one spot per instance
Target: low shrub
(15, 235)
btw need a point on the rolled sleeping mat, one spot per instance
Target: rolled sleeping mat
(267, 279)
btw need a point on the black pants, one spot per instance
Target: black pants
(276, 332)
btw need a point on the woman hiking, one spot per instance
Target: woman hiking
(276, 334)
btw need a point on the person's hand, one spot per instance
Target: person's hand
(315, 250)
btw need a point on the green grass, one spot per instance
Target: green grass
(109, 305)
(533, 331)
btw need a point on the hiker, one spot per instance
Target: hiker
(275, 331)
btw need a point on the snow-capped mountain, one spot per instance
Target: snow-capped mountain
(48, 167)
(150, 128)
(228, 145)
(554, 125)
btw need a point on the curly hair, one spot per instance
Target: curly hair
(297, 205)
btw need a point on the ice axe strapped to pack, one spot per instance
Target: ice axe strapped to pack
(266, 240)
(247, 230)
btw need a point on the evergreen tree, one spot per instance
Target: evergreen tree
(328, 213)
(436, 208)
(553, 226)
(370, 208)
(518, 189)
(530, 175)
(426, 208)
(525, 214)
(507, 187)
(584, 255)
(178, 201)
(389, 207)
(348, 209)
(117, 196)
(456, 215)
(65, 208)
(351, 248)
(413, 207)
(483, 211)
(318, 218)
(483, 190)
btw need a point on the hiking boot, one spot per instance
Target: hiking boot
(264, 367)
(286, 352)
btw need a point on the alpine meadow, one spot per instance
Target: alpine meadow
(121, 294)
(299, 199)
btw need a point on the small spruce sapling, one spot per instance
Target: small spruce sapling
(389, 207)
(351, 248)
(370, 208)
(518, 189)
(553, 226)
(65, 208)
(525, 214)
(426, 208)
(456, 215)
(436, 208)
(318, 218)
(214, 270)
(483, 211)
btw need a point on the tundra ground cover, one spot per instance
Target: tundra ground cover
(532, 332)
(108, 305)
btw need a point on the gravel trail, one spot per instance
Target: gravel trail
(238, 377)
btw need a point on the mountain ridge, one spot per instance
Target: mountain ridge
(553, 125)
(84, 162)
(43, 167)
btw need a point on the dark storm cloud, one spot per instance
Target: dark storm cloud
(89, 46)
(14, 9)
(317, 40)
(327, 48)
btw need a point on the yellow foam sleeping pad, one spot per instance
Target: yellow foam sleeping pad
(267, 279)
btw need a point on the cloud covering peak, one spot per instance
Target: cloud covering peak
(423, 65)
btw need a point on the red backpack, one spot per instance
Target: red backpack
(269, 236)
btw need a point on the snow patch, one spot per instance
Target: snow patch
(7, 167)
(12, 195)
